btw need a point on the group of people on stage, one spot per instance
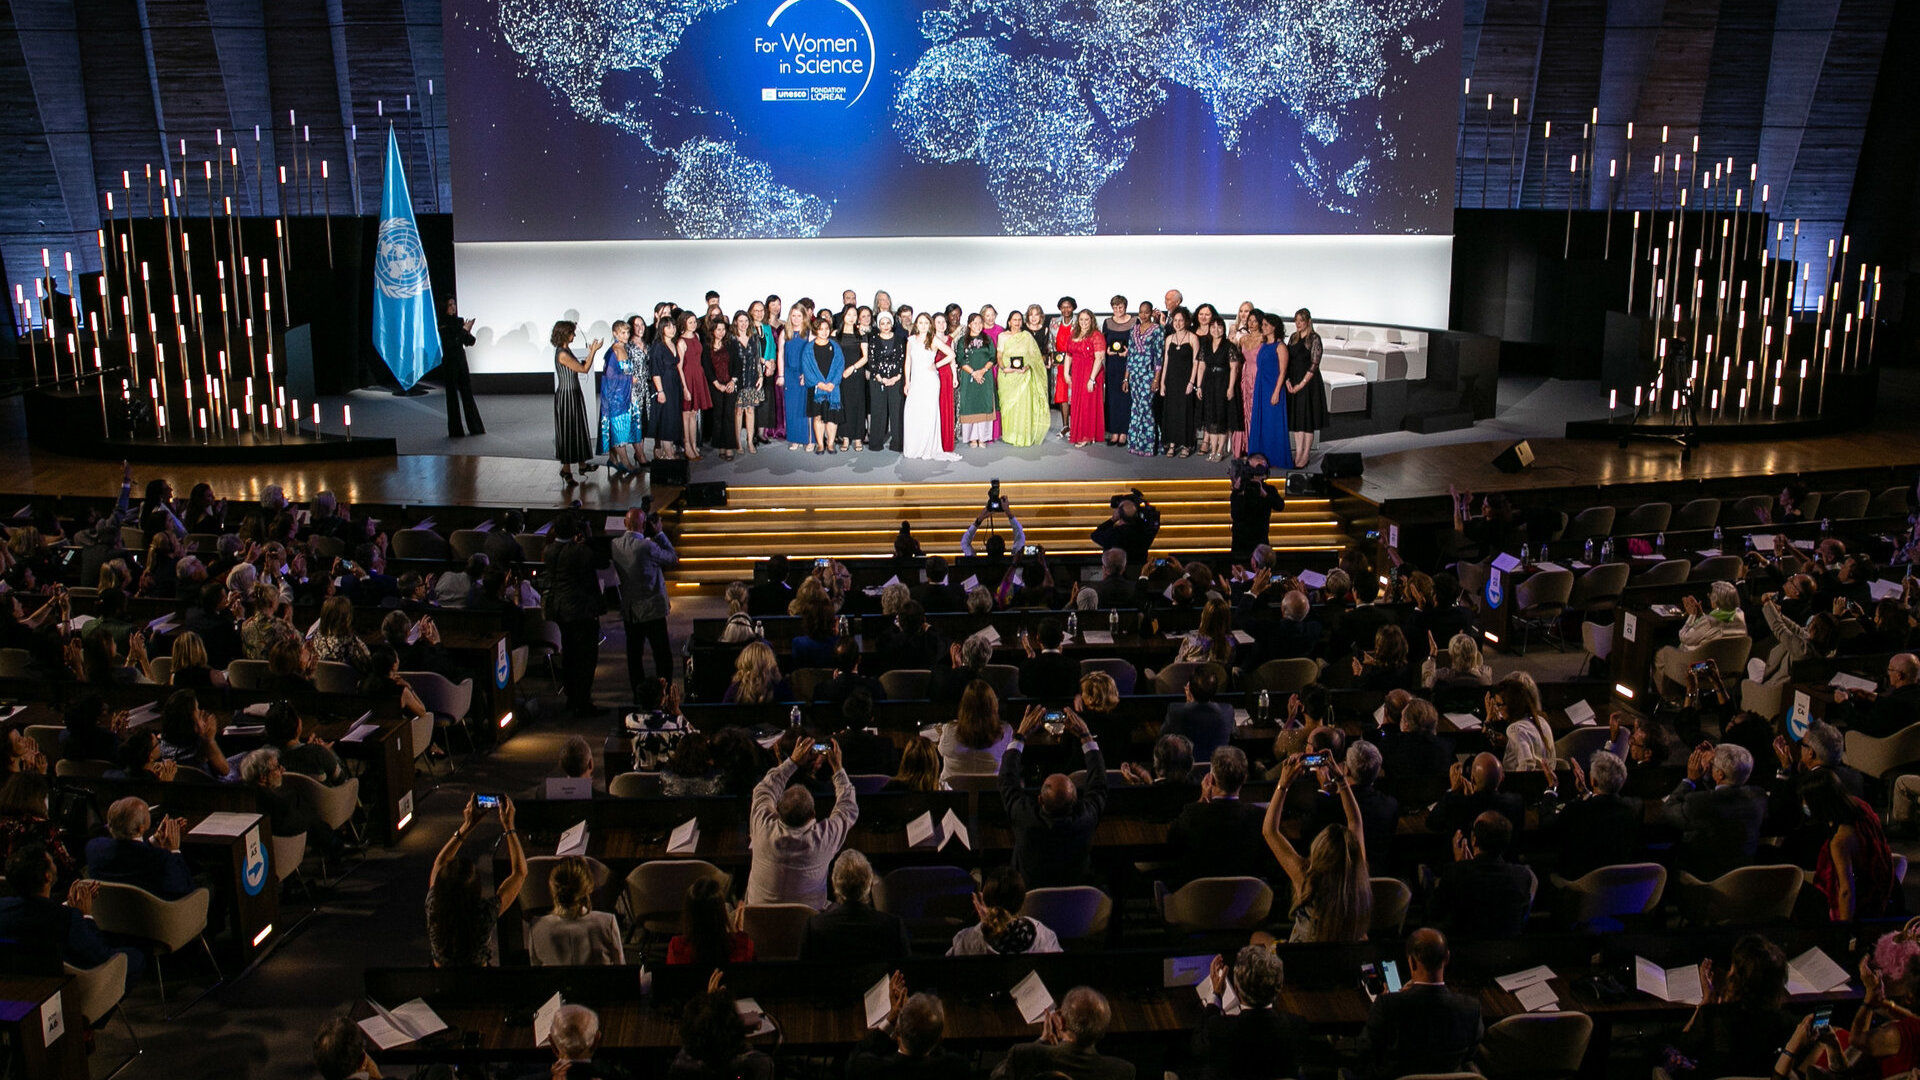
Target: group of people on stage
(1176, 381)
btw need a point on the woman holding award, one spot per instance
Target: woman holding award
(1024, 411)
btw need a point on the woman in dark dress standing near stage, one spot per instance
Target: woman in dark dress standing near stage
(746, 353)
(666, 423)
(1119, 332)
(853, 381)
(1176, 385)
(1306, 392)
(572, 444)
(725, 363)
(1267, 422)
(693, 382)
(1219, 374)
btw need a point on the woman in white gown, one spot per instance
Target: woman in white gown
(927, 362)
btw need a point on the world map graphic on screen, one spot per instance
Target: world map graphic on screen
(640, 119)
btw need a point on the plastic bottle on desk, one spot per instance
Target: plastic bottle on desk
(1660, 543)
(1719, 537)
(1113, 623)
(1589, 550)
(1073, 625)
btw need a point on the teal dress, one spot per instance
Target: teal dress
(1143, 361)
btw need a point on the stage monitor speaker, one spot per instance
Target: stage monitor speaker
(706, 493)
(670, 473)
(1338, 465)
(1300, 483)
(1514, 458)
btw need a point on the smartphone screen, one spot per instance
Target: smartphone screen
(487, 802)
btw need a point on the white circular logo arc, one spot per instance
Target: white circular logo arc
(399, 260)
(871, 55)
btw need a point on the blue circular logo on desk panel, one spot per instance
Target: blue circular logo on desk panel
(253, 875)
(501, 668)
(1496, 592)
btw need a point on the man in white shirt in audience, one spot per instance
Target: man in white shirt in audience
(792, 849)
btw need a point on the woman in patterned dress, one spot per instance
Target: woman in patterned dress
(616, 402)
(1145, 342)
(746, 349)
(1245, 334)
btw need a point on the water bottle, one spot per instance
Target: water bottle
(759, 629)
(793, 718)
(1526, 554)
(1113, 623)
(1719, 536)
(1073, 624)
(1543, 551)
(1660, 543)
(1266, 703)
(1606, 550)
(1826, 528)
(842, 626)
(1589, 550)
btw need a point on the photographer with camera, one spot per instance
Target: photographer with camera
(1252, 504)
(1134, 524)
(996, 504)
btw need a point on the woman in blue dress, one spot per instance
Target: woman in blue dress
(794, 383)
(1145, 343)
(663, 364)
(617, 433)
(1267, 426)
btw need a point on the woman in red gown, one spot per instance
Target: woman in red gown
(943, 340)
(697, 377)
(1086, 349)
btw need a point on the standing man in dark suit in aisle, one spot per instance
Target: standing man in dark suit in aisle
(574, 602)
(1053, 832)
(455, 335)
(1424, 1027)
(1219, 836)
(1067, 1044)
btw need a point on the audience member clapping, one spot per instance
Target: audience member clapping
(128, 856)
(851, 930)
(1069, 1044)
(906, 1046)
(713, 1041)
(1258, 1041)
(1718, 814)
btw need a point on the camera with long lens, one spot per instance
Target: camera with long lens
(995, 504)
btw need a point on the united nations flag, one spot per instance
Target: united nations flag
(405, 326)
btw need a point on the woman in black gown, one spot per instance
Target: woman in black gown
(1119, 333)
(1219, 363)
(1176, 386)
(1306, 393)
(853, 381)
(571, 443)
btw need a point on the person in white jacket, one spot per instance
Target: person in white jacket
(1723, 620)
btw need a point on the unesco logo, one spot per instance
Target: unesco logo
(399, 261)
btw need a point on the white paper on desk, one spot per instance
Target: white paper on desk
(1580, 714)
(224, 823)
(149, 711)
(1185, 970)
(1884, 590)
(1229, 1002)
(78, 622)
(1512, 983)
(1101, 637)
(1312, 579)
(1030, 994)
(360, 733)
(988, 632)
(1380, 716)
(920, 831)
(244, 729)
(972, 583)
(405, 1023)
(1243, 637)
(1681, 984)
(1504, 562)
(616, 523)
(1805, 545)
(1844, 681)
(1537, 997)
(1242, 718)
(879, 1002)
(7, 711)
(951, 829)
(1709, 553)
(543, 1020)
(685, 838)
(1464, 721)
(1763, 542)
(769, 742)
(759, 1022)
(1548, 566)
(1629, 626)
(313, 629)
(1814, 972)
(258, 708)
(168, 623)
(572, 842)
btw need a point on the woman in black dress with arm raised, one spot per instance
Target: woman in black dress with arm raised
(1306, 393)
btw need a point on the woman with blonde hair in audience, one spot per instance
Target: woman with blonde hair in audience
(1098, 705)
(972, 744)
(921, 767)
(811, 591)
(1002, 930)
(1332, 889)
(191, 669)
(574, 933)
(894, 597)
(1212, 641)
(756, 678)
(1464, 666)
(739, 626)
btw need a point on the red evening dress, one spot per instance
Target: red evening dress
(1086, 360)
(947, 391)
(694, 376)
(1060, 338)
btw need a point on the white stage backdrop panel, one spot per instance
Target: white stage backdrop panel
(516, 291)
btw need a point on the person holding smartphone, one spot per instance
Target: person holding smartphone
(460, 916)
(793, 850)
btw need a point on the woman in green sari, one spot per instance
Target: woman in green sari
(1024, 413)
(975, 403)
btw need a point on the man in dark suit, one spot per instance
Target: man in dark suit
(1884, 712)
(770, 593)
(909, 644)
(502, 542)
(1424, 1027)
(574, 602)
(938, 596)
(1115, 589)
(1472, 792)
(1259, 1040)
(1290, 637)
(212, 619)
(1599, 828)
(1417, 760)
(1717, 813)
(1048, 673)
(852, 931)
(1219, 836)
(1482, 895)
(30, 919)
(907, 1045)
(1068, 1044)
(1053, 831)
(1206, 723)
(126, 857)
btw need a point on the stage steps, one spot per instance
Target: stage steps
(843, 521)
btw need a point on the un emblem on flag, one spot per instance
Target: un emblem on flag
(399, 260)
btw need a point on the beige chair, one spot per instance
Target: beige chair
(534, 547)
(1890, 503)
(1629, 890)
(1598, 590)
(1669, 572)
(1851, 503)
(288, 853)
(1698, 515)
(335, 805)
(1473, 580)
(980, 784)
(807, 681)
(1004, 678)
(1751, 894)
(47, 738)
(1215, 903)
(1122, 672)
(420, 733)
(636, 785)
(248, 674)
(1539, 601)
(15, 663)
(1578, 744)
(325, 549)
(906, 684)
(424, 544)
(1748, 510)
(93, 770)
(656, 891)
(776, 930)
(1590, 524)
(167, 926)
(933, 901)
(333, 677)
(132, 538)
(1283, 676)
(1073, 912)
(96, 992)
(466, 543)
(1390, 899)
(160, 670)
(449, 702)
(536, 894)
(1880, 758)
(1172, 679)
(1644, 520)
(1544, 1044)
(202, 544)
(1716, 568)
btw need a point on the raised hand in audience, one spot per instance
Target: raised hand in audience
(1077, 727)
(1709, 993)
(1296, 712)
(834, 761)
(1462, 847)
(1457, 779)
(1783, 750)
(1700, 762)
(1217, 975)
(506, 813)
(1579, 777)
(80, 896)
(1031, 720)
(470, 814)
(1290, 771)
(1053, 1028)
(714, 983)
(165, 769)
(802, 752)
(896, 995)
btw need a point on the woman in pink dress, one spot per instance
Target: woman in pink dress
(1245, 332)
(695, 376)
(1086, 349)
(943, 340)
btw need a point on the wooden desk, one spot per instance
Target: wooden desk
(1632, 656)
(239, 859)
(45, 1030)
